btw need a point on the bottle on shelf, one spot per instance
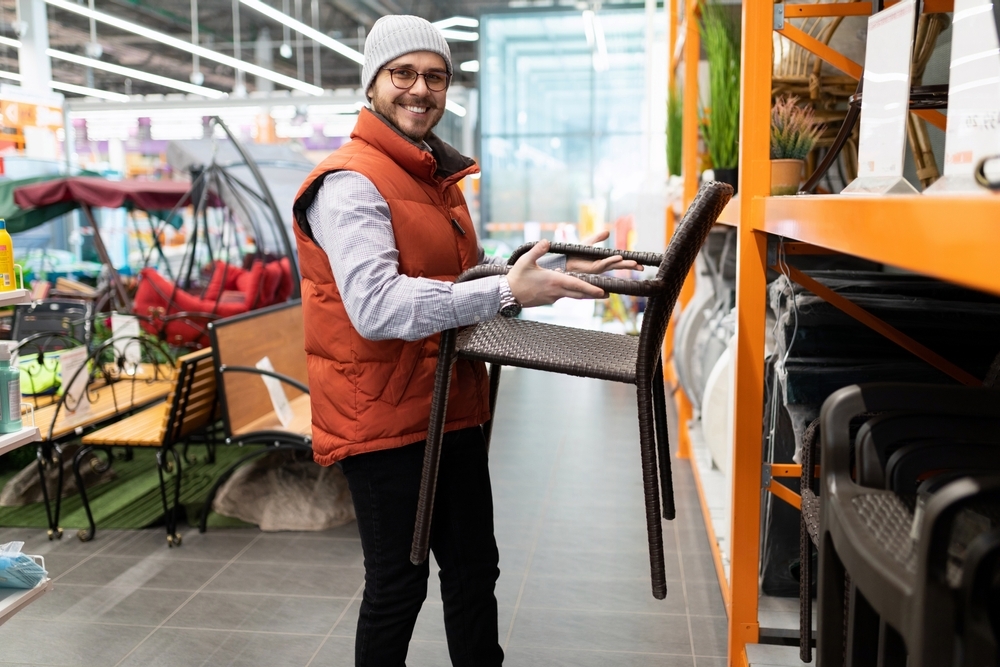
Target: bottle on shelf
(7, 280)
(10, 393)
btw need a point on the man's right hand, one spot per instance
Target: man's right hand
(532, 285)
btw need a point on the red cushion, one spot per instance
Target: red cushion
(285, 286)
(250, 283)
(272, 281)
(223, 278)
(156, 298)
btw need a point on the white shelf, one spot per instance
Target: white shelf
(779, 617)
(13, 600)
(14, 297)
(11, 441)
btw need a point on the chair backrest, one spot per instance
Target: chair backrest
(193, 403)
(275, 332)
(69, 317)
(689, 236)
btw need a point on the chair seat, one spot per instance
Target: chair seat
(143, 429)
(889, 521)
(550, 347)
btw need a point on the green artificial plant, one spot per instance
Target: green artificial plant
(720, 37)
(675, 125)
(793, 129)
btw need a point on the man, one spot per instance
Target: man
(383, 231)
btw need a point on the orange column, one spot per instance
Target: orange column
(750, 287)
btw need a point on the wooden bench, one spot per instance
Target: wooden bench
(249, 416)
(190, 409)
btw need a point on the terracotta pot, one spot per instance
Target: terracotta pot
(786, 176)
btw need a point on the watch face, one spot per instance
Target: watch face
(510, 310)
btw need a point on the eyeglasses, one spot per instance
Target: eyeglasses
(404, 78)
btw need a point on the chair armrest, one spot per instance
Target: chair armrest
(591, 252)
(939, 516)
(259, 371)
(606, 283)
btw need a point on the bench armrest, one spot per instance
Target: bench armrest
(259, 371)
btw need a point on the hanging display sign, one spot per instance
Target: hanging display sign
(30, 120)
(973, 97)
(885, 103)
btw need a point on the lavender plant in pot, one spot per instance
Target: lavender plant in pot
(793, 135)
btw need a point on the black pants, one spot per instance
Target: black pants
(385, 486)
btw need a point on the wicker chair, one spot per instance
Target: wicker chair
(593, 354)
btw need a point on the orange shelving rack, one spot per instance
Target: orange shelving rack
(952, 238)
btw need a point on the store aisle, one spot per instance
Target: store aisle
(574, 589)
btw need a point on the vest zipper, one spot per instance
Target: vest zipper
(457, 226)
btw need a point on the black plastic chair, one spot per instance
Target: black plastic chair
(867, 534)
(978, 639)
(593, 354)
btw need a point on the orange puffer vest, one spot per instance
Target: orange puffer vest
(370, 395)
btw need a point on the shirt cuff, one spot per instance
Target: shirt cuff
(553, 262)
(476, 300)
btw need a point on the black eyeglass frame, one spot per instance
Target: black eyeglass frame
(392, 71)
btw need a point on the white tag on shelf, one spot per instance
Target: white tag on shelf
(124, 332)
(885, 102)
(71, 361)
(973, 97)
(277, 393)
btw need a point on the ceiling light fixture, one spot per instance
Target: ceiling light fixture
(456, 22)
(311, 33)
(180, 44)
(137, 74)
(460, 36)
(469, 66)
(73, 88)
(455, 108)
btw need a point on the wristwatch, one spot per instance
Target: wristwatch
(509, 306)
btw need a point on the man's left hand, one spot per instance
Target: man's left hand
(582, 265)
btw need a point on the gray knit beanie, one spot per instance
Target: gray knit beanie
(394, 36)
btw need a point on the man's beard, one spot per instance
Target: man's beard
(390, 110)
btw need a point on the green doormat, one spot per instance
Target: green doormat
(132, 499)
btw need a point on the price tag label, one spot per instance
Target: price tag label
(124, 334)
(73, 378)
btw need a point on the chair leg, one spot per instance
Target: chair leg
(88, 534)
(170, 514)
(663, 443)
(830, 602)
(494, 389)
(654, 529)
(862, 631)
(891, 649)
(805, 593)
(432, 449)
(43, 460)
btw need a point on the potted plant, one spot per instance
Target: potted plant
(720, 37)
(793, 135)
(675, 127)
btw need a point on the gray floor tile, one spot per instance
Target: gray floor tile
(710, 636)
(170, 647)
(149, 572)
(290, 579)
(601, 631)
(337, 651)
(264, 613)
(600, 594)
(218, 545)
(70, 644)
(702, 661)
(544, 657)
(699, 566)
(280, 548)
(105, 604)
(600, 564)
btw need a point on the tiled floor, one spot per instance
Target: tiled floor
(574, 589)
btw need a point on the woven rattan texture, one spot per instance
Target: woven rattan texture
(591, 252)
(550, 347)
(810, 514)
(889, 522)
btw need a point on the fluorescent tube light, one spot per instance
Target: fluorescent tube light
(73, 88)
(180, 44)
(308, 31)
(456, 22)
(89, 92)
(455, 108)
(137, 74)
(460, 36)
(7, 41)
(469, 66)
(601, 57)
